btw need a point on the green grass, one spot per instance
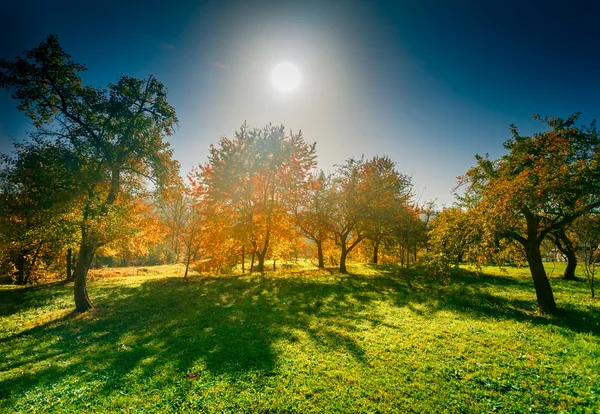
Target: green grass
(377, 340)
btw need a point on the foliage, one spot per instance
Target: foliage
(36, 207)
(313, 213)
(542, 184)
(116, 135)
(252, 182)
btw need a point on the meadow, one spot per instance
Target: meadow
(379, 339)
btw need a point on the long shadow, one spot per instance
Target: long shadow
(14, 300)
(230, 326)
(470, 292)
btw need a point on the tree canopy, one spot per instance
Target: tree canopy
(115, 134)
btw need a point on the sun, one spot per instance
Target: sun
(285, 77)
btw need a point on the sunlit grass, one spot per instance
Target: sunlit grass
(300, 340)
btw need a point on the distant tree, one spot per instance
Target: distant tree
(347, 222)
(454, 233)
(545, 182)
(313, 214)
(410, 231)
(116, 134)
(36, 208)
(172, 204)
(587, 231)
(386, 194)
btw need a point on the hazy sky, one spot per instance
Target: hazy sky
(428, 83)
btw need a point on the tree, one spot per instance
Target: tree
(36, 205)
(454, 233)
(173, 208)
(348, 214)
(253, 178)
(544, 183)
(564, 244)
(386, 193)
(313, 214)
(116, 134)
(587, 229)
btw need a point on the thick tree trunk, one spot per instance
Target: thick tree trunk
(260, 266)
(84, 261)
(543, 290)
(320, 255)
(69, 264)
(375, 252)
(571, 266)
(252, 261)
(274, 268)
(562, 242)
(343, 256)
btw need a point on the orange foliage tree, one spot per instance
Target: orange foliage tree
(251, 182)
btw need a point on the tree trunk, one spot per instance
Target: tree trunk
(20, 265)
(320, 255)
(274, 268)
(571, 266)
(543, 290)
(343, 259)
(260, 266)
(562, 242)
(69, 264)
(375, 252)
(84, 261)
(243, 259)
(187, 263)
(252, 261)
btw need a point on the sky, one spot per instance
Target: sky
(428, 83)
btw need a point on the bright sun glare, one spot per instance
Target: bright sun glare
(285, 77)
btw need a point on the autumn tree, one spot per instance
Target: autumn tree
(347, 223)
(313, 213)
(254, 178)
(133, 230)
(173, 207)
(36, 207)
(454, 233)
(386, 194)
(116, 134)
(410, 231)
(545, 182)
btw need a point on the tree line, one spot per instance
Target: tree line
(80, 184)
(97, 183)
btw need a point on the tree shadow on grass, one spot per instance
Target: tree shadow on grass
(225, 326)
(485, 296)
(231, 327)
(14, 300)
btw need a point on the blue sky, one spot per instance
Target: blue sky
(428, 83)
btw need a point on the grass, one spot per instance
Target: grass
(377, 340)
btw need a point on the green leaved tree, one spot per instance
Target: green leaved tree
(115, 133)
(544, 183)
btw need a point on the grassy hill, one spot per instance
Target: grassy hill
(378, 339)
